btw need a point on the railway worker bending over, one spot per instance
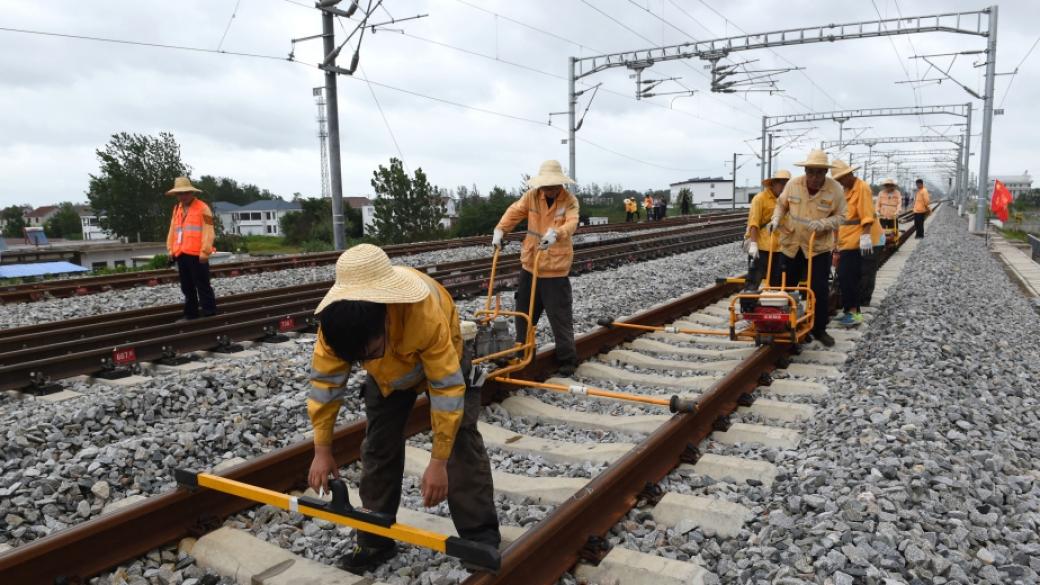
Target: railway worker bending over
(757, 241)
(921, 210)
(855, 243)
(403, 327)
(811, 203)
(190, 243)
(551, 212)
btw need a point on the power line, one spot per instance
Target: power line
(1015, 72)
(227, 28)
(530, 26)
(655, 15)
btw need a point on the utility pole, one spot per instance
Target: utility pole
(733, 199)
(572, 127)
(965, 170)
(323, 140)
(987, 122)
(332, 110)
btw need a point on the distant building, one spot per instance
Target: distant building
(706, 192)
(259, 218)
(39, 216)
(1017, 184)
(368, 213)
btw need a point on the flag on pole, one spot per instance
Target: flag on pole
(1000, 200)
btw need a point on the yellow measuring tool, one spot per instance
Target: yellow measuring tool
(339, 510)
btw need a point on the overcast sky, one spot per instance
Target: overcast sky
(253, 119)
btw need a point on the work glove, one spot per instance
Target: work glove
(549, 238)
(496, 239)
(817, 225)
(866, 248)
(774, 224)
(752, 250)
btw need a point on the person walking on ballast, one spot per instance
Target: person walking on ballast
(855, 245)
(811, 203)
(552, 217)
(404, 329)
(922, 200)
(190, 243)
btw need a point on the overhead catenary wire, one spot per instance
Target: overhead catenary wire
(227, 28)
(1015, 72)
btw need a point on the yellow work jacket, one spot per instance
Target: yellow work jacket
(630, 206)
(648, 203)
(889, 204)
(795, 208)
(762, 207)
(191, 230)
(859, 216)
(921, 200)
(423, 350)
(562, 217)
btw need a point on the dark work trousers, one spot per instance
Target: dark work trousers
(867, 275)
(758, 271)
(919, 225)
(629, 216)
(795, 269)
(888, 223)
(553, 296)
(195, 285)
(471, 492)
(849, 270)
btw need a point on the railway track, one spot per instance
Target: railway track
(540, 554)
(93, 284)
(32, 356)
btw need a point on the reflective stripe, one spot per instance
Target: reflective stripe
(446, 403)
(799, 219)
(561, 212)
(294, 504)
(193, 228)
(453, 379)
(850, 222)
(326, 396)
(410, 379)
(334, 379)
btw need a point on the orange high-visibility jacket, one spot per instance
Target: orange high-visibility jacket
(423, 350)
(921, 200)
(191, 230)
(648, 202)
(795, 208)
(562, 217)
(859, 216)
(889, 204)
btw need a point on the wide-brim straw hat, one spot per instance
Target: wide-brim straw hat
(364, 273)
(841, 168)
(817, 158)
(780, 175)
(183, 185)
(889, 181)
(549, 174)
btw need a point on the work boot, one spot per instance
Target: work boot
(366, 558)
(567, 369)
(824, 338)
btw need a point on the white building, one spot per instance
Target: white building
(259, 218)
(1017, 184)
(90, 222)
(707, 192)
(368, 213)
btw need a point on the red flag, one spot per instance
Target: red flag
(1000, 200)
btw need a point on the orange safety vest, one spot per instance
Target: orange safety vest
(187, 228)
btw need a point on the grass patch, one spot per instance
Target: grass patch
(1013, 234)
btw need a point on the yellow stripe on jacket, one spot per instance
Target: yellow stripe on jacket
(423, 350)
(562, 217)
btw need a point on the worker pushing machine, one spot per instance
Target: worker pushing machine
(810, 204)
(757, 237)
(552, 218)
(190, 243)
(404, 328)
(922, 199)
(855, 244)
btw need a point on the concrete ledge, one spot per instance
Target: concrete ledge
(622, 566)
(815, 356)
(740, 433)
(719, 340)
(59, 396)
(726, 468)
(779, 410)
(682, 511)
(812, 371)
(245, 354)
(532, 408)
(250, 561)
(599, 371)
(123, 382)
(550, 450)
(192, 366)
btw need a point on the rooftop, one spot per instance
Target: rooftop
(702, 180)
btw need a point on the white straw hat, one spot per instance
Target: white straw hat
(550, 173)
(782, 174)
(889, 181)
(841, 168)
(816, 158)
(364, 273)
(183, 185)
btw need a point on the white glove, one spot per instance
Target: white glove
(865, 246)
(816, 225)
(752, 250)
(549, 238)
(883, 238)
(775, 224)
(496, 239)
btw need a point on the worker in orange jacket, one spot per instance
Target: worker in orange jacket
(190, 243)
(855, 240)
(922, 199)
(648, 207)
(551, 212)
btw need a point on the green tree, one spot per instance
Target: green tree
(136, 170)
(225, 189)
(312, 222)
(685, 196)
(13, 220)
(408, 209)
(65, 223)
(480, 216)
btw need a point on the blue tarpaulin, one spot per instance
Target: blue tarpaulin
(39, 269)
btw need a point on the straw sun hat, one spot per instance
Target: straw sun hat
(841, 168)
(182, 185)
(549, 174)
(777, 176)
(364, 273)
(817, 158)
(889, 181)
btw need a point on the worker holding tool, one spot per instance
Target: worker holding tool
(552, 218)
(757, 241)
(855, 244)
(869, 263)
(889, 204)
(922, 199)
(811, 203)
(404, 328)
(190, 243)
